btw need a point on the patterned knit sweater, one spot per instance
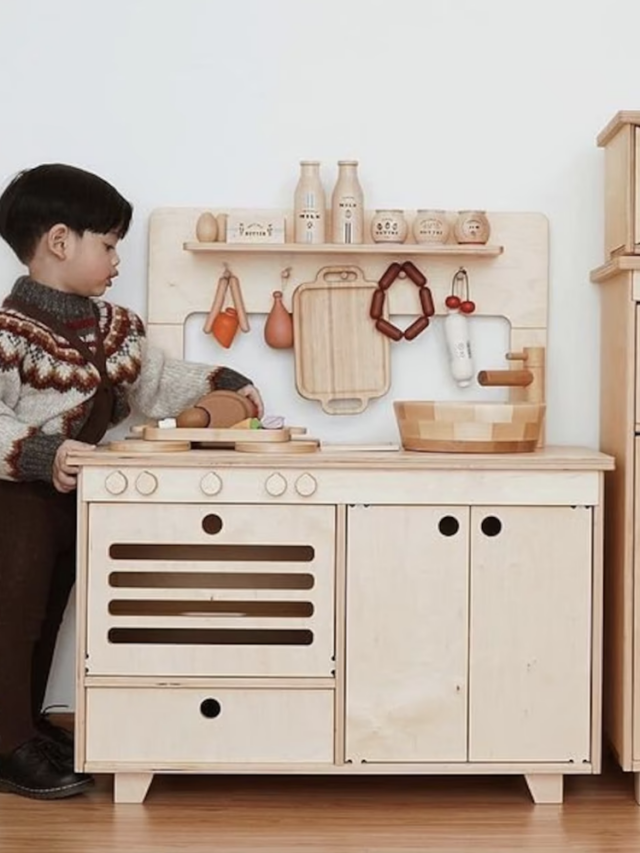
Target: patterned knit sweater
(46, 385)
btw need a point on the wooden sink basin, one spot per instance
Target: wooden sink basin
(460, 427)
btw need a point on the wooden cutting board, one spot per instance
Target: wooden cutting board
(340, 358)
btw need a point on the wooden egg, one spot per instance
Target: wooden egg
(194, 418)
(207, 228)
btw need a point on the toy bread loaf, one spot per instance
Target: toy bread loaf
(217, 410)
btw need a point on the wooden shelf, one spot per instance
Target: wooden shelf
(621, 263)
(473, 250)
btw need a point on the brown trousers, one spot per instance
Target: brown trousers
(38, 561)
(37, 573)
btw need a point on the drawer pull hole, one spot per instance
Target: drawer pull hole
(212, 524)
(210, 708)
(491, 525)
(448, 525)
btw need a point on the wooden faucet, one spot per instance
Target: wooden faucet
(526, 384)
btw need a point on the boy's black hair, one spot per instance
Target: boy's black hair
(38, 198)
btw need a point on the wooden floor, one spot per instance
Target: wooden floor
(214, 814)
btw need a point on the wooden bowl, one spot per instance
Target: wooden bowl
(458, 427)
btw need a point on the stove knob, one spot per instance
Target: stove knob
(211, 484)
(276, 485)
(146, 483)
(306, 485)
(116, 483)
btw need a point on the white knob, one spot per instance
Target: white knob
(116, 483)
(211, 484)
(306, 485)
(146, 483)
(276, 485)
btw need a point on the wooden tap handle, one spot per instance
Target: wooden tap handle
(520, 378)
(238, 301)
(218, 302)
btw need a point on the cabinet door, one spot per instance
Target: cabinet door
(530, 634)
(406, 661)
(224, 590)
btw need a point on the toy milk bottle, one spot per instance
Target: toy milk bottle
(347, 205)
(309, 206)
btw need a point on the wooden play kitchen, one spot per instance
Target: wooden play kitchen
(619, 278)
(358, 612)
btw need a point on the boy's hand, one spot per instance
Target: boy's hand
(253, 394)
(65, 475)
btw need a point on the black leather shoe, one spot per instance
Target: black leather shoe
(37, 769)
(59, 736)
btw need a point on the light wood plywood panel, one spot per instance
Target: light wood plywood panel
(530, 634)
(635, 189)
(150, 726)
(377, 481)
(617, 422)
(635, 651)
(406, 663)
(191, 590)
(513, 283)
(619, 201)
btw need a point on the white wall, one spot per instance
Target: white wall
(459, 104)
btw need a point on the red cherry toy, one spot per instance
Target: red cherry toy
(462, 303)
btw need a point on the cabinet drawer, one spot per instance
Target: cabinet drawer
(210, 591)
(199, 725)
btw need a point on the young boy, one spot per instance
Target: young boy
(71, 365)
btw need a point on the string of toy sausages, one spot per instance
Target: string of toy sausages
(376, 309)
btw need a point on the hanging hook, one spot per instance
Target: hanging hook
(285, 275)
(461, 277)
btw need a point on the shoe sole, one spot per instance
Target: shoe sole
(7, 787)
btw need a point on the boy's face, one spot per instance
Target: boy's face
(91, 262)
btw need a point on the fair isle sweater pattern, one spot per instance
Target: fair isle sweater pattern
(46, 385)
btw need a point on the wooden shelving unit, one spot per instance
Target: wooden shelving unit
(509, 276)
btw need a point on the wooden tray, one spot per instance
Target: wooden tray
(308, 445)
(140, 445)
(340, 357)
(215, 436)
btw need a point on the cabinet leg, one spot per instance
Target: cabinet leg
(545, 787)
(131, 787)
(636, 787)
